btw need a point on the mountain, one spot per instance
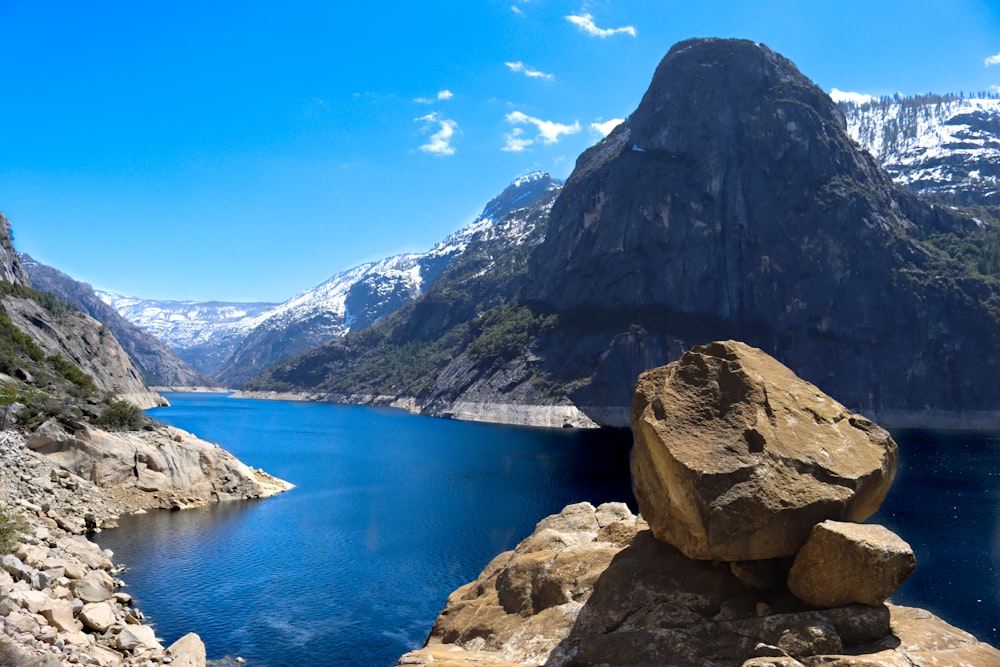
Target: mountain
(732, 203)
(202, 333)
(54, 359)
(158, 364)
(234, 342)
(944, 147)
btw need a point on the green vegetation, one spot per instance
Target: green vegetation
(977, 250)
(505, 331)
(50, 302)
(120, 416)
(82, 382)
(11, 525)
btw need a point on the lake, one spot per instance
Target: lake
(392, 512)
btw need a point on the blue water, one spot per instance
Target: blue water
(392, 512)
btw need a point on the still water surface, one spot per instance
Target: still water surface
(391, 512)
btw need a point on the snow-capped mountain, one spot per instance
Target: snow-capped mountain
(203, 333)
(943, 147)
(234, 341)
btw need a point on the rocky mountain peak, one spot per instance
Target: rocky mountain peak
(523, 191)
(731, 151)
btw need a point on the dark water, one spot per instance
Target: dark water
(392, 512)
(945, 502)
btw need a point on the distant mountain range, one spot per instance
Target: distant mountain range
(232, 342)
(943, 147)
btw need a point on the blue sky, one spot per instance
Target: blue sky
(250, 150)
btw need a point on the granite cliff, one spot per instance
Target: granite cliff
(731, 203)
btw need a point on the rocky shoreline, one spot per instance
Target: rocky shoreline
(59, 597)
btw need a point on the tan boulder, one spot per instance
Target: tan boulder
(136, 637)
(98, 616)
(90, 590)
(842, 563)
(59, 614)
(736, 458)
(188, 651)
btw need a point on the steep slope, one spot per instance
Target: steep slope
(53, 350)
(944, 147)
(731, 204)
(158, 364)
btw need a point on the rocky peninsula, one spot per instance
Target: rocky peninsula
(59, 597)
(749, 550)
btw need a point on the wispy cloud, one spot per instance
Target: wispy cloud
(585, 22)
(992, 60)
(516, 10)
(528, 72)
(441, 96)
(439, 143)
(604, 129)
(548, 131)
(515, 141)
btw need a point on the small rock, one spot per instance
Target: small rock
(134, 637)
(90, 590)
(842, 563)
(15, 567)
(98, 616)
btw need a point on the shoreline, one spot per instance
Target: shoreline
(60, 593)
(592, 417)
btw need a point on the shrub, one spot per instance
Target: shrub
(121, 416)
(10, 525)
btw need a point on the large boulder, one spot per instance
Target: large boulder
(736, 458)
(842, 563)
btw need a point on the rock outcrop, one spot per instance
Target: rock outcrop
(59, 597)
(160, 467)
(729, 444)
(736, 458)
(592, 586)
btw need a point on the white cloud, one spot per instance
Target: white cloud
(439, 143)
(528, 72)
(548, 131)
(585, 22)
(516, 10)
(845, 96)
(604, 129)
(515, 141)
(992, 60)
(442, 95)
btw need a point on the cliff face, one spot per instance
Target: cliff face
(11, 270)
(157, 363)
(733, 202)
